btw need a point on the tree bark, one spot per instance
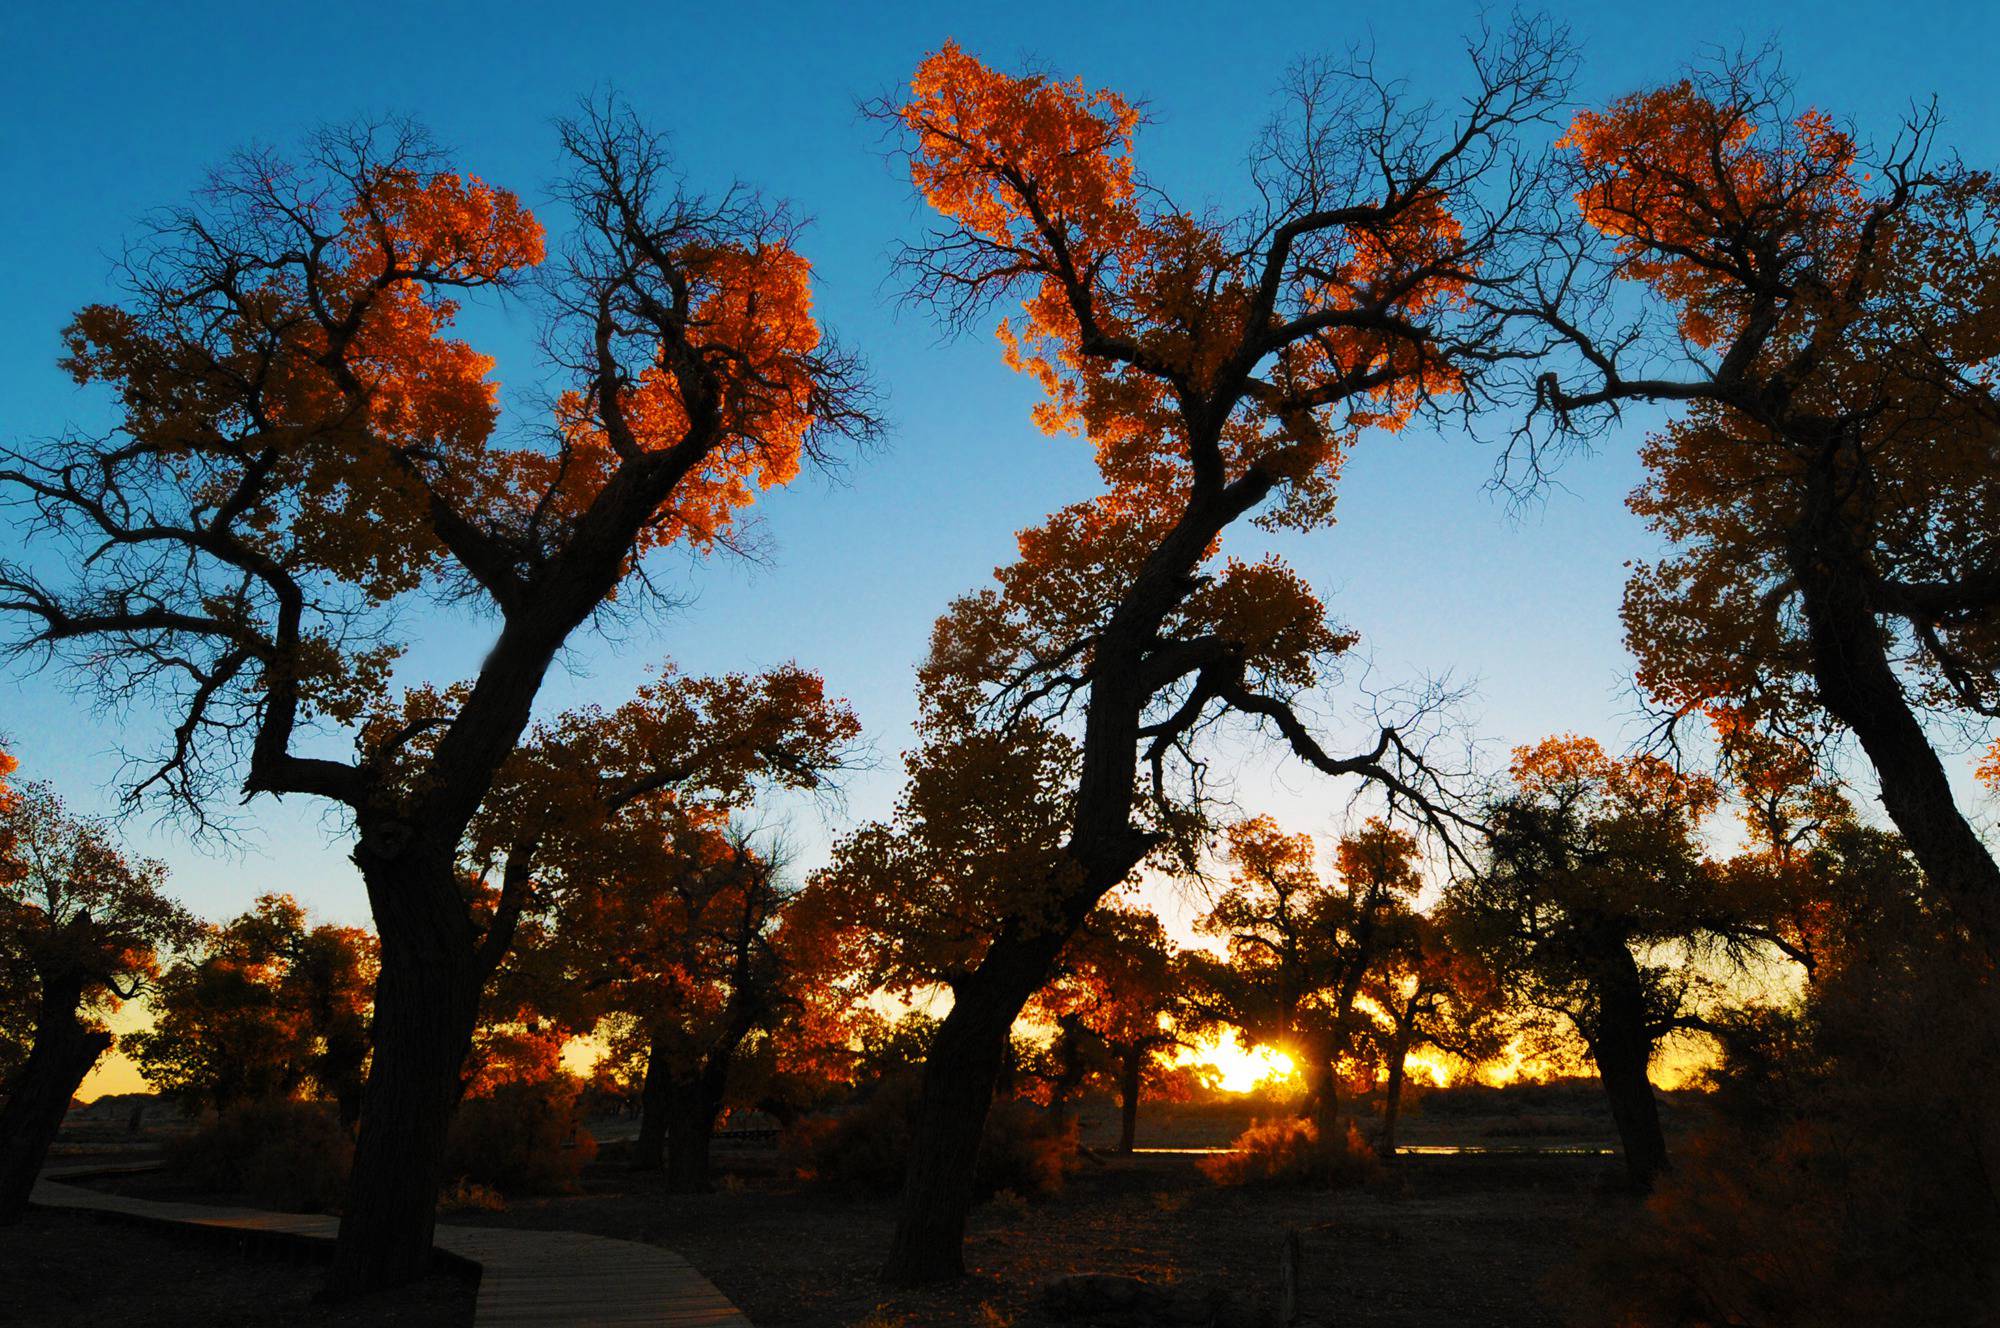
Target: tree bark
(692, 1111)
(1130, 1073)
(426, 1004)
(1859, 687)
(960, 1072)
(1622, 1048)
(1323, 1082)
(1392, 1095)
(678, 1115)
(1621, 1066)
(649, 1153)
(41, 1091)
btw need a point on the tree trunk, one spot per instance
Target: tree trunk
(1392, 1095)
(960, 1072)
(426, 1004)
(1621, 1065)
(1858, 685)
(690, 1131)
(649, 1153)
(1130, 1074)
(40, 1093)
(1323, 1080)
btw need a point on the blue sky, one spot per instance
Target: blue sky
(109, 110)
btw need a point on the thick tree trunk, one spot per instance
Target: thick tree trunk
(1623, 1048)
(960, 1072)
(649, 1153)
(1130, 1074)
(40, 1093)
(1621, 1065)
(691, 1115)
(1858, 685)
(426, 1004)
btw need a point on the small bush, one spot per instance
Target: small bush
(860, 1150)
(291, 1155)
(864, 1149)
(1290, 1152)
(1008, 1206)
(469, 1196)
(524, 1137)
(1026, 1150)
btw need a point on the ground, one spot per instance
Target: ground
(1465, 1242)
(1466, 1239)
(73, 1270)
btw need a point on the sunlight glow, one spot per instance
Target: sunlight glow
(1237, 1068)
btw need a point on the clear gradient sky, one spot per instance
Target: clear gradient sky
(108, 110)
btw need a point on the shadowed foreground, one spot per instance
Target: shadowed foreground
(526, 1278)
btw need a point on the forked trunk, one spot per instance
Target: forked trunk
(677, 1127)
(40, 1092)
(1130, 1073)
(426, 1003)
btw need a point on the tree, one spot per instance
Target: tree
(1432, 992)
(1830, 491)
(264, 1006)
(1843, 1174)
(1119, 1004)
(616, 822)
(687, 955)
(305, 450)
(1300, 950)
(1597, 904)
(1216, 365)
(87, 922)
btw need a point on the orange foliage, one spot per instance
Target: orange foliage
(1837, 449)
(1121, 300)
(752, 306)
(1676, 178)
(1568, 767)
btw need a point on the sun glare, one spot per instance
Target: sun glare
(1238, 1068)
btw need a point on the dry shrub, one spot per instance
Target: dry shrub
(469, 1196)
(1850, 1178)
(524, 1137)
(289, 1154)
(860, 1150)
(1290, 1152)
(1025, 1149)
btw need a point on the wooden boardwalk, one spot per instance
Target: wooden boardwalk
(541, 1278)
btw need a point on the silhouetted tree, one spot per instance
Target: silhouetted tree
(1597, 904)
(304, 449)
(265, 1005)
(87, 922)
(1219, 365)
(1830, 490)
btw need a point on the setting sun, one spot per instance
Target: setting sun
(1238, 1068)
